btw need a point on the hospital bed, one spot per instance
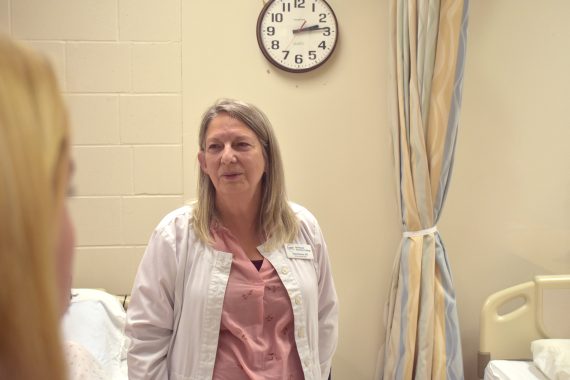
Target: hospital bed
(96, 320)
(97, 312)
(518, 330)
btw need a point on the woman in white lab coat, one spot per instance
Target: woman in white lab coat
(237, 285)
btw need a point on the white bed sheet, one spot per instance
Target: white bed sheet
(513, 370)
(96, 321)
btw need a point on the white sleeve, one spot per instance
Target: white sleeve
(150, 314)
(328, 306)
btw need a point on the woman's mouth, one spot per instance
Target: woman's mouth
(231, 176)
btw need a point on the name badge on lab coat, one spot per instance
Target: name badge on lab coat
(299, 251)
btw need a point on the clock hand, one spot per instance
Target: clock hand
(300, 28)
(293, 38)
(308, 29)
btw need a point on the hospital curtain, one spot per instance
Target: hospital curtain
(427, 39)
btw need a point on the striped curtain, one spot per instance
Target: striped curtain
(427, 56)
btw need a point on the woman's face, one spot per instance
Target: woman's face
(232, 158)
(65, 244)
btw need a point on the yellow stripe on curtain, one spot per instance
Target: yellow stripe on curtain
(428, 40)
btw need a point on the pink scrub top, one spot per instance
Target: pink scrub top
(256, 339)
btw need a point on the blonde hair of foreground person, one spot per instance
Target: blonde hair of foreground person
(276, 220)
(34, 157)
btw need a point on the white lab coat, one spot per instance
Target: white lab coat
(173, 319)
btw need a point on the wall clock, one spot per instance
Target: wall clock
(297, 35)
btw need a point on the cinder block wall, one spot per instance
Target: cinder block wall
(119, 66)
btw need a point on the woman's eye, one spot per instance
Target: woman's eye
(243, 145)
(213, 147)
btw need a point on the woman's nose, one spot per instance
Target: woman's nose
(228, 155)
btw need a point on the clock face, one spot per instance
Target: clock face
(297, 35)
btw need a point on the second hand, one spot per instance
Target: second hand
(295, 31)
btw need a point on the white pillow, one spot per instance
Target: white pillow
(96, 320)
(552, 357)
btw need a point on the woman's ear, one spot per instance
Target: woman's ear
(202, 161)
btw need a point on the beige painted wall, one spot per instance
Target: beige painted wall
(119, 66)
(507, 214)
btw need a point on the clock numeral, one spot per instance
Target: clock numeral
(275, 44)
(286, 53)
(312, 55)
(322, 45)
(299, 59)
(286, 7)
(299, 3)
(322, 17)
(327, 31)
(270, 31)
(277, 17)
(313, 7)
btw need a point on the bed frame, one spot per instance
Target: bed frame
(124, 299)
(508, 336)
